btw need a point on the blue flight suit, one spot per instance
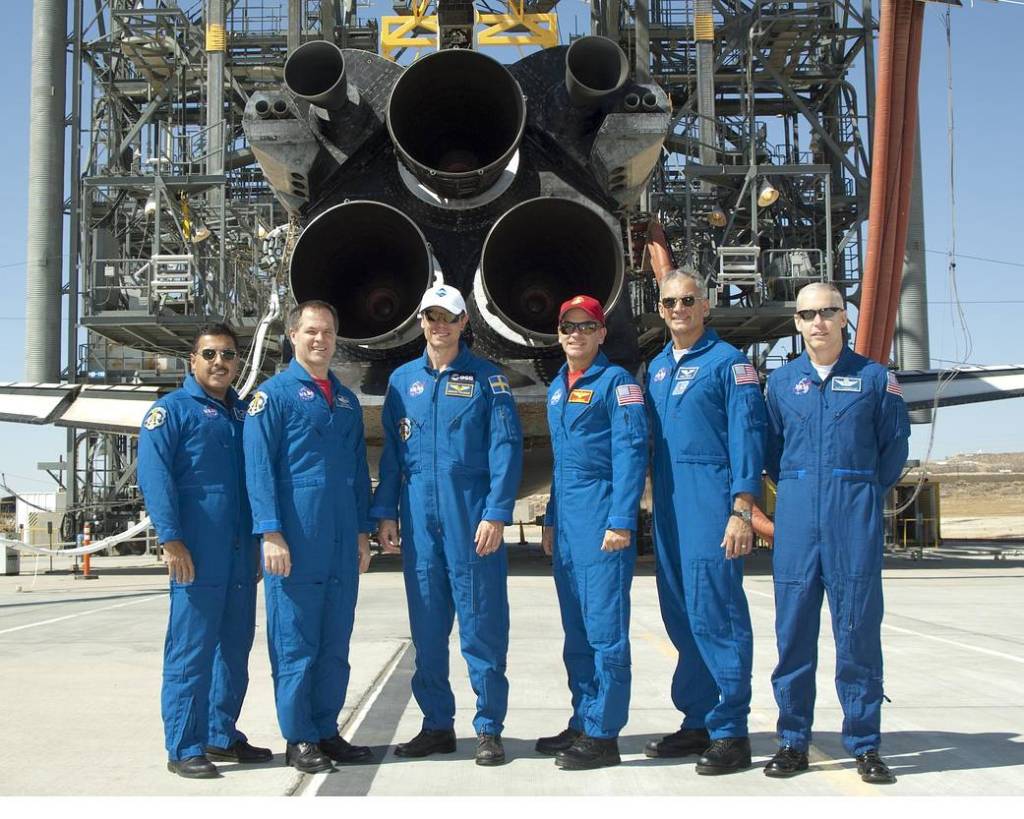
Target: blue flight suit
(452, 457)
(835, 449)
(707, 421)
(599, 441)
(307, 475)
(192, 476)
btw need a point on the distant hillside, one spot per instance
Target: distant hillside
(986, 484)
(984, 462)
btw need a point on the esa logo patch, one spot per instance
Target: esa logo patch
(155, 418)
(306, 394)
(258, 403)
(556, 396)
(416, 388)
(499, 384)
(404, 429)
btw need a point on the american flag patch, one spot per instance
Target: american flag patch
(629, 394)
(893, 386)
(745, 374)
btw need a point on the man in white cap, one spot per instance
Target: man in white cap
(450, 470)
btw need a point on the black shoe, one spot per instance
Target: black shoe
(725, 756)
(241, 752)
(341, 751)
(587, 753)
(684, 742)
(788, 761)
(195, 767)
(307, 757)
(428, 742)
(872, 769)
(562, 742)
(489, 750)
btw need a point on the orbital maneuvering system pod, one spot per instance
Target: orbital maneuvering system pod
(506, 181)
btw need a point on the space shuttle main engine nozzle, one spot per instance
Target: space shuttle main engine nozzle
(537, 255)
(594, 68)
(372, 263)
(315, 71)
(456, 118)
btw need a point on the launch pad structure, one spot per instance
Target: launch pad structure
(760, 180)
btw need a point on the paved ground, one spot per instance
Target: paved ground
(80, 676)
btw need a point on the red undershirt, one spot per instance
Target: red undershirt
(575, 376)
(325, 387)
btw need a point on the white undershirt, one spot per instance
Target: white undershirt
(678, 354)
(823, 370)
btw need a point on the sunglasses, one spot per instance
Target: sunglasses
(669, 302)
(824, 312)
(434, 318)
(567, 328)
(225, 355)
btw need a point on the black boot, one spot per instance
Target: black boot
(241, 752)
(341, 751)
(489, 750)
(872, 769)
(587, 753)
(725, 756)
(428, 742)
(307, 757)
(684, 742)
(788, 761)
(562, 742)
(195, 767)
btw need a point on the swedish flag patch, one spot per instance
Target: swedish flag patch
(499, 384)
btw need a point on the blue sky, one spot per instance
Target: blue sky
(988, 78)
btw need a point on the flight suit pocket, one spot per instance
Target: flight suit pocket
(196, 612)
(710, 613)
(603, 603)
(297, 615)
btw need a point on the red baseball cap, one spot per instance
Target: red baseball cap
(588, 304)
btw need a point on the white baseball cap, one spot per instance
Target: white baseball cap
(446, 297)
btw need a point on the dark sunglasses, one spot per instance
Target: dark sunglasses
(567, 328)
(669, 302)
(225, 355)
(824, 312)
(434, 318)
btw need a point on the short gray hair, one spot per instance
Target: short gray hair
(685, 273)
(295, 314)
(828, 287)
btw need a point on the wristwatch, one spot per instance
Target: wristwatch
(742, 514)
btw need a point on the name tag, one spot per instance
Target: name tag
(842, 383)
(580, 396)
(459, 390)
(687, 373)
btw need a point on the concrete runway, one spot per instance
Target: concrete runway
(80, 677)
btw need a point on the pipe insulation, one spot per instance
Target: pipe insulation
(44, 268)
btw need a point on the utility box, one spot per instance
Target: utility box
(915, 527)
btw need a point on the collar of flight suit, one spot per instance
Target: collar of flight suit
(597, 366)
(193, 388)
(459, 364)
(707, 339)
(841, 366)
(299, 373)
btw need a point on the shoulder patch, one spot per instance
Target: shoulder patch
(627, 394)
(499, 384)
(155, 418)
(556, 396)
(745, 374)
(893, 385)
(258, 403)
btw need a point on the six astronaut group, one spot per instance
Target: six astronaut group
(278, 487)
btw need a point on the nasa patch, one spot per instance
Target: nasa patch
(660, 374)
(258, 403)
(155, 418)
(802, 387)
(404, 429)
(209, 412)
(556, 396)
(306, 394)
(416, 388)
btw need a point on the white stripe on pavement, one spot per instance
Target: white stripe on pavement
(146, 599)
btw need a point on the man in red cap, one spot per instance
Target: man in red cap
(599, 438)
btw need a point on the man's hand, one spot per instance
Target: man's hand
(364, 552)
(616, 539)
(387, 537)
(179, 561)
(738, 539)
(277, 558)
(488, 536)
(547, 539)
